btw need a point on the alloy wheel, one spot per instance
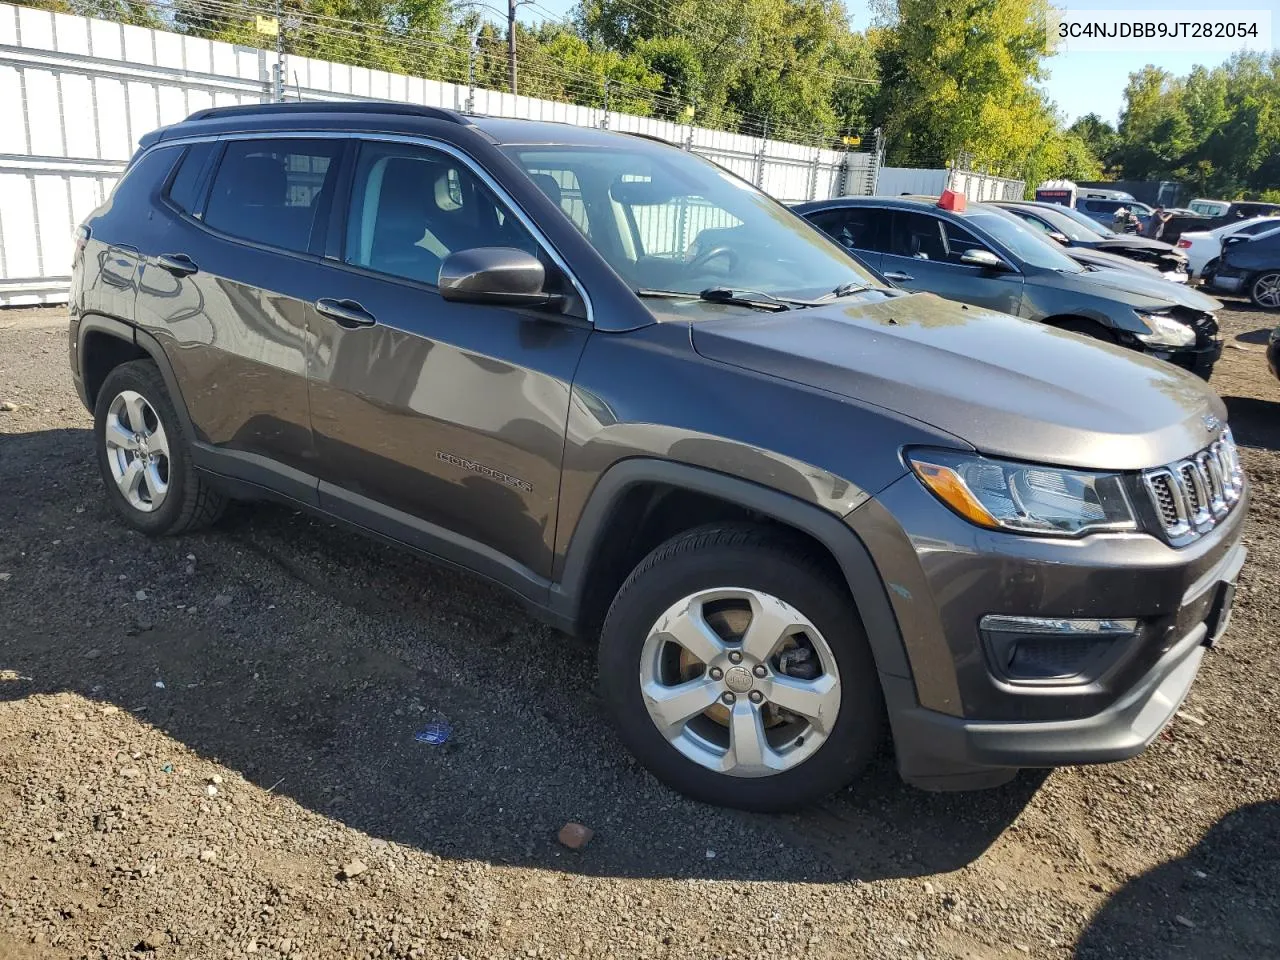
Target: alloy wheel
(1266, 290)
(137, 451)
(740, 682)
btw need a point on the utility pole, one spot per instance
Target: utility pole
(511, 42)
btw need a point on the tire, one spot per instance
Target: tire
(167, 495)
(768, 565)
(1264, 290)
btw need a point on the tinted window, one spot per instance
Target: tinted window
(1262, 226)
(664, 218)
(269, 190)
(857, 228)
(923, 236)
(184, 191)
(411, 207)
(1029, 246)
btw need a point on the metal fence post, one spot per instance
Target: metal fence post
(471, 76)
(604, 119)
(764, 141)
(811, 192)
(877, 161)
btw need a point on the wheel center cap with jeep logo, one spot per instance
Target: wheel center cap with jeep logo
(738, 679)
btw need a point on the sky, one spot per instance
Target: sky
(1079, 81)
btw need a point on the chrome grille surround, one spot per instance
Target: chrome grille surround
(1192, 495)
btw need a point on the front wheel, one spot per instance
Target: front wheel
(738, 672)
(1264, 291)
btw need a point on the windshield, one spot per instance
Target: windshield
(1024, 242)
(1085, 220)
(665, 219)
(1074, 230)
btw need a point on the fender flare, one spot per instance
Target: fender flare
(855, 562)
(97, 323)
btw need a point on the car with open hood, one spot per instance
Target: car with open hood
(797, 512)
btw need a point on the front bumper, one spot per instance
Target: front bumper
(956, 722)
(1199, 359)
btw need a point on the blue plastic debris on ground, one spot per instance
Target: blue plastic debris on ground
(434, 733)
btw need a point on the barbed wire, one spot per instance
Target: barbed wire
(446, 58)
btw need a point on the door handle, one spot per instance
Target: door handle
(346, 313)
(179, 264)
(899, 276)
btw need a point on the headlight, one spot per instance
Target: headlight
(1027, 499)
(1165, 331)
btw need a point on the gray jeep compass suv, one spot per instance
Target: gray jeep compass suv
(801, 510)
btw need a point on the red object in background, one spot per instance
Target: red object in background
(950, 200)
(1184, 244)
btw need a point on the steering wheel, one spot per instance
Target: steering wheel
(702, 259)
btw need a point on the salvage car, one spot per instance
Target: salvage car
(1250, 266)
(988, 257)
(1203, 247)
(796, 510)
(1071, 233)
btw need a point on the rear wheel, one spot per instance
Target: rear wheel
(737, 671)
(1264, 291)
(145, 457)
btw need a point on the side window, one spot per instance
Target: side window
(269, 191)
(917, 235)
(1260, 227)
(958, 241)
(1036, 224)
(855, 228)
(184, 189)
(412, 206)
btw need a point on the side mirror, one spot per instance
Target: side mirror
(982, 258)
(498, 275)
(1061, 237)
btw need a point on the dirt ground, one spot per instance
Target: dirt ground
(198, 734)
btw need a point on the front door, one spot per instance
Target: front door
(924, 255)
(438, 423)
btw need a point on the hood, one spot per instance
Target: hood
(1134, 242)
(1010, 387)
(1100, 258)
(1146, 292)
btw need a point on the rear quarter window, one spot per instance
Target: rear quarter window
(184, 188)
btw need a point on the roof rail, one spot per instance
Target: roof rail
(331, 106)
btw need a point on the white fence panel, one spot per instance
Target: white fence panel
(77, 93)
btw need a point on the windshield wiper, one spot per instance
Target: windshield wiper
(736, 298)
(844, 290)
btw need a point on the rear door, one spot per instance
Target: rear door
(439, 423)
(227, 286)
(924, 254)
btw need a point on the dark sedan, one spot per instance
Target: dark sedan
(1072, 232)
(988, 257)
(1250, 266)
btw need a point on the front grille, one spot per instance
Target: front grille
(1192, 496)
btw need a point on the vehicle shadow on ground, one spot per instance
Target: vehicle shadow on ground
(1254, 422)
(313, 656)
(1195, 906)
(1261, 336)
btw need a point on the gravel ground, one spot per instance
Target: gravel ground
(199, 737)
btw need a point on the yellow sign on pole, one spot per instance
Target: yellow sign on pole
(267, 26)
(851, 141)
